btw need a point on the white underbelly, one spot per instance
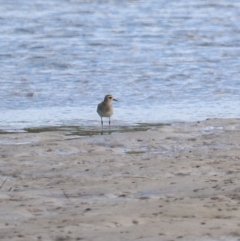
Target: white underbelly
(105, 114)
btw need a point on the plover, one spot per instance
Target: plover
(105, 108)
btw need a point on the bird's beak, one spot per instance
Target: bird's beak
(115, 99)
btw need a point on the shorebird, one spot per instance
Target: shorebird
(105, 108)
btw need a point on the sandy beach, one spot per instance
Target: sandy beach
(175, 182)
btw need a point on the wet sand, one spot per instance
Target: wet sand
(177, 182)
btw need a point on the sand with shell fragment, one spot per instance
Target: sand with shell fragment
(178, 182)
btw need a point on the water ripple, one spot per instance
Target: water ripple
(164, 61)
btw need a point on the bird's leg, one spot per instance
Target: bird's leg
(102, 125)
(109, 125)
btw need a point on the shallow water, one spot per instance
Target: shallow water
(164, 61)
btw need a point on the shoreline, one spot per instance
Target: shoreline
(171, 182)
(85, 130)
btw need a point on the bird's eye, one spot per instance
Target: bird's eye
(110, 97)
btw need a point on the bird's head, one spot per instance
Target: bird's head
(109, 98)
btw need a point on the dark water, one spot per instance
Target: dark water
(164, 61)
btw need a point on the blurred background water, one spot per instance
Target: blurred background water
(164, 61)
